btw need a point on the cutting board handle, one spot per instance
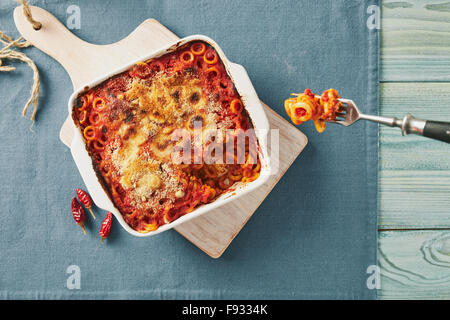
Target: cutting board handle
(84, 61)
(53, 38)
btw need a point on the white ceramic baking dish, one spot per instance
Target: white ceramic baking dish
(251, 103)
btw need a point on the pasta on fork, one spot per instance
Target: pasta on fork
(308, 106)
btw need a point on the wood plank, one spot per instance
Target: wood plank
(414, 179)
(414, 264)
(414, 199)
(415, 40)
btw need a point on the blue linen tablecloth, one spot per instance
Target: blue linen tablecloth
(313, 237)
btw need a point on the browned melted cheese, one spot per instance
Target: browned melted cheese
(141, 158)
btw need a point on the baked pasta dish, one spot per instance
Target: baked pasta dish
(168, 135)
(306, 106)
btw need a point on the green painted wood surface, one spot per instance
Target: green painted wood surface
(415, 40)
(414, 171)
(414, 264)
(414, 180)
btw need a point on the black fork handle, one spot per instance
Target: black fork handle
(437, 130)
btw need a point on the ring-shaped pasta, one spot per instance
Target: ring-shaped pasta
(223, 87)
(89, 133)
(211, 57)
(252, 177)
(237, 123)
(257, 167)
(223, 84)
(157, 66)
(247, 173)
(320, 125)
(198, 48)
(131, 215)
(330, 104)
(187, 57)
(247, 165)
(212, 73)
(98, 145)
(99, 104)
(166, 217)
(211, 183)
(234, 176)
(193, 203)
(208, 194)
(150, 227)
(225, 182)
(87, 100)
(301, 111)
(141, 70)
(210, 171)
(287, 105)
(236, 106)
(295, 121)
(104, 168)
(82, 117)
(116, 194)
(213, 193)
(94, 118)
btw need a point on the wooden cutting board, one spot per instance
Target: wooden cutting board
(213, 231)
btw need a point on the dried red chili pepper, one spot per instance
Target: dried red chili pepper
(105, 229)
(78, 213)
(85, 200)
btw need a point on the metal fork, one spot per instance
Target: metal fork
(432, 129)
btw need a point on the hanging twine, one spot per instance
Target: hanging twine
(7, 52)
(27, 12)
